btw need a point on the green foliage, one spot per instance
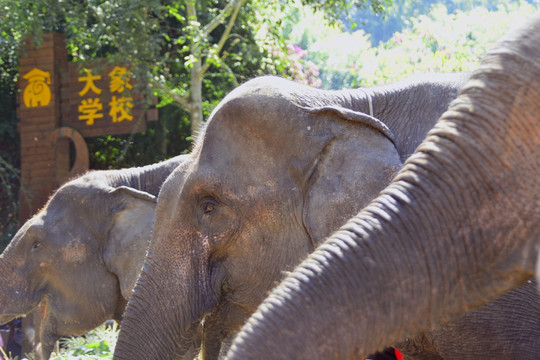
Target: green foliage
(441, 42)
(282, 43)
(338, 55)
(96, 344)
(9, 138)
(438, 41)
(334, 9)
(399, 15)
(9, 181)
(162, 139)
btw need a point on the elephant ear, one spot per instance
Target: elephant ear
(355, 116)
(133, 213)
(354, 165)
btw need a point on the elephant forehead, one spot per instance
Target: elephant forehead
(236, 182)
(241, 166)
(253, 190)
(33, 227)
(254, 116)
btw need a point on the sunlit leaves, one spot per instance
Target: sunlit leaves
(439, 41)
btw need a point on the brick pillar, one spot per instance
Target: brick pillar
(39, 113)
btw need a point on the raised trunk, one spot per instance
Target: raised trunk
(456, 228)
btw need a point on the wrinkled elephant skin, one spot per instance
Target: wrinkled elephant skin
(274, 160)
(507, 328)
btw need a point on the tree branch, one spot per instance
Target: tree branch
(223, 14)
(182, 100)
(235, 81)
(191, 11)
(217, 49)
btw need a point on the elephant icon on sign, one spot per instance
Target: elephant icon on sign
(37, 92)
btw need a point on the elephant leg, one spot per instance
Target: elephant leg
(195, 348)
(214, 334)
(48, 336)
(30, 333)
(47, 346)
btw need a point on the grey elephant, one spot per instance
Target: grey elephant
(274, 160)
(80, 256)
(506, 329)
(456, 228)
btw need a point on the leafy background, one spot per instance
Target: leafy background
(328, 44)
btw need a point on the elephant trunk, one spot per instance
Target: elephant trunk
(164, 311)
(16, 295)
(456, 228)
(5, 285)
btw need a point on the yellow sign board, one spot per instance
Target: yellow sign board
(90, 106)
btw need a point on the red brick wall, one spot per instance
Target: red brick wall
(41, 160)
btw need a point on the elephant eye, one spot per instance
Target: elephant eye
(208, 207)
(36, 245)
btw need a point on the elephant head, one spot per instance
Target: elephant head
(457, 227)
(250, 204)
(79, 257)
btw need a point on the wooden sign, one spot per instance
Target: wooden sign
(61, 102)
(101, 100)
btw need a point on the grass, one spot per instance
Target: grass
(96, 344)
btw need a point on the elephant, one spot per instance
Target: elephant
(79, 257)
(456, 228)
(274, 158)
(506, 328)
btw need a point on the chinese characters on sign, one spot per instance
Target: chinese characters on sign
(93, 97)
(62, 102)
(120, 107)
(90, 109)
(120, 104)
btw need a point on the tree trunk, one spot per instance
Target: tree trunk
(196, 99)
(163, 140)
